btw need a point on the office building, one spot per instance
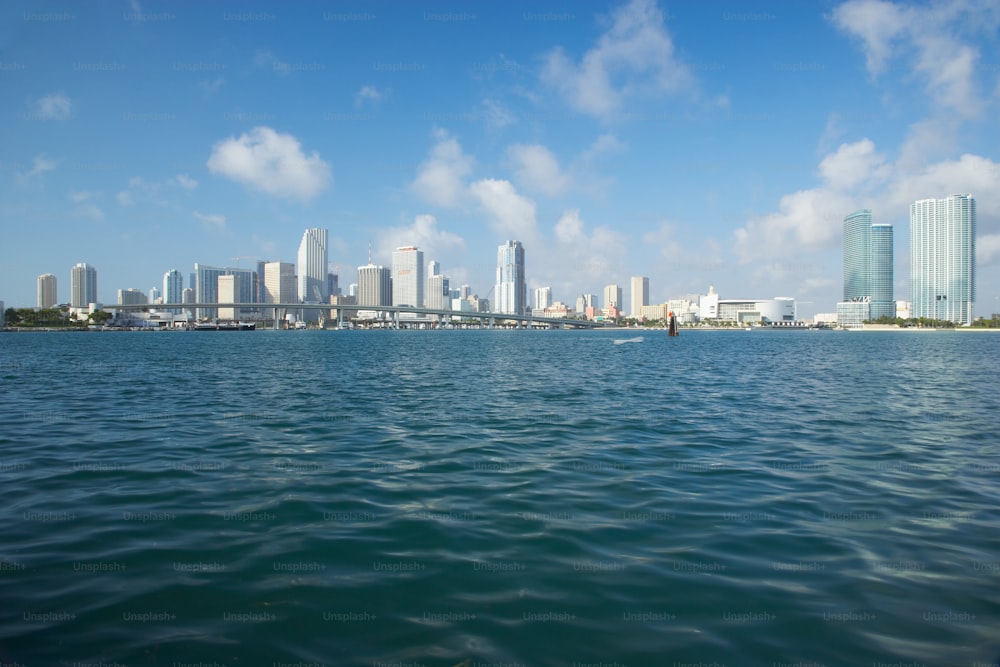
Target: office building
(229, 289)
(83, 286)
(154, 295)
(943, 258)
(47, 293)
(511, 291)
(437, 295)
(173, 288)
(332, 284)
(279, 282)
(639, 295)
(206, 285)
(311, 266)
(374, 287)
(407, 277)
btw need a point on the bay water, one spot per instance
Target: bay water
(515, 498)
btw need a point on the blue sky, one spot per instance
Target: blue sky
(695, 143)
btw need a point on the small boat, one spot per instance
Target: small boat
(225, 326)
(622, 341)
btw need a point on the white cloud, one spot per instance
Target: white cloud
(930, 40)
(141, 190)
(537, 169)
(85, 206)
(496, 116)
(271, 162)
(39, 165)
(579, 258)
(852, 164)
(53, 107)
(215, 222)
(635, 56)
(424, 234)
(370, 94)
(441, 178)
(512, 215)
(267, 60)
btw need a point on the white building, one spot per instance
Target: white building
(311, 266)
(47, 292)
(543, 297)
(279, 283)
(83, 286)
(374, 286)
(943, 258)
(408, 277)
(511, 291)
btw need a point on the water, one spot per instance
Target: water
(504, 497)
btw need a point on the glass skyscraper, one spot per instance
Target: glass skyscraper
(511, 289)
(943, 258)
(311, 266)
(173, 288)
(868, 257)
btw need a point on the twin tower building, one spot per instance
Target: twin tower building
(942, 263)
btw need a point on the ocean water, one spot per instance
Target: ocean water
(504, 498)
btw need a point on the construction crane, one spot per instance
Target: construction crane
(237, 259)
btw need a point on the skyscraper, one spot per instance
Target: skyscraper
(868, 258)
(229, 288)
(131, 296)
(408, 277)
(83, 286)
(311, 266)
(47, 293)
(173, 288)
(279, 282)
(206, 285)
(374, 286)
(613, 296)
(511, 290)
(639, 295)
(943, 258)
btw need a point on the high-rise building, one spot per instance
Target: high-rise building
(173, 288)
(311, 266)
(639, 295)
(613, 296)
(206, 285)
(437, 294)
(154, 294)
(83, 286)
(433, 268)
(230, 291)
(279, 282)
(131, 296)
(407, 277)
(47, 293)
(188, 297)
(543, 297)
(374, 286)
(868, 273)
(332, 284)
(943, 258)
(511, 291)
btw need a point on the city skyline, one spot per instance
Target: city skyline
(690, 143)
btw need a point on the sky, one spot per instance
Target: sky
(696, 143)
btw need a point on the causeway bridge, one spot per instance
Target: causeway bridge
(441, 315)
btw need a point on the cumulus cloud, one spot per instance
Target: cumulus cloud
(85, 206)
(441, 178)
(634, 56)
(580, 257)
(271, 162)
(537, 169)
(511, 215)
(930, 40)
(423, 233)
(52, 107)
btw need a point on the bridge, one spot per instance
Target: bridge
(528, 321)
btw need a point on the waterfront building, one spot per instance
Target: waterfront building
(374, 287)
(206, 285)
(187, 295)
(943, 258)
(312, 266)
(230, 292)
(708, 305)
(332, 284)
(131, 297)
(47, 292)
(543, 297)
(437, 294)
(83, 286)
(340, 313)
(407, 277)
(511, 291)
(868, 260)
(853, 314)
(279, 282)
(154, 295)
(639, 295)
(757, 311)
(613, 296)
(173, 288)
